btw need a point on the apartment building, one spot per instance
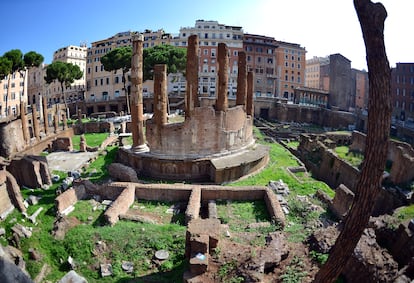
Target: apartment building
(261, 60)
(75, 55)
(210, 34)
(402, 91)
(291, 66)
(361, 84)
(312, 72)
(12, 92)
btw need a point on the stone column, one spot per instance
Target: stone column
(191, 96)
(56, 122)
(137, 108)
(160, 94)
(241, 79)
(45, 115)
(250, 97)
(223, 77)
(35, 122)
(65, 121)
(25, 126)
(79, 117)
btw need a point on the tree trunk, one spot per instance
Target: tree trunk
(371, 17)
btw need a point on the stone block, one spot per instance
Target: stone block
(199, 244)
(342, 201)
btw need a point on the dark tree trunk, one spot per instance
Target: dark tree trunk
(371, 17)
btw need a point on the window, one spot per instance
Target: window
(270, 60)
(101, 81)
(116, 94)
(205, 51)
(259, 59)
(96, 82)
(117, 80)
(107, 81)
(206, 35)
(269, 51)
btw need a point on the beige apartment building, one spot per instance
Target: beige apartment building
(210, 34)
(261, 60)
(291, 66)
(313, 71)
(12, 92)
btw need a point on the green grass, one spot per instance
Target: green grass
(293, 144)
(98, 171)
(405, 213)
(92, 139)
(354, 158)
(279, 160)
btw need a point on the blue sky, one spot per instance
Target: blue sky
(323, 27)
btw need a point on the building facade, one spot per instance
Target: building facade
(361, 85)
(402, 91)
(312, 74)
(12, 92)
(210, 34)
(291, 66)
(261, 60)
(75, 55)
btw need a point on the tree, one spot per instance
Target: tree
(174, 57)
(119, 58)
(371, 17)
(15, 56)
(65, 74)
(31, 59)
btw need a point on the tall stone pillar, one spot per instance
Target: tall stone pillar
(160, 94)
(25, 126)
(241, 79)
(250, 96)
(191, 96)
(35, 122)
(45, 115)
(137, 106)
(223, 77)
(56, 122)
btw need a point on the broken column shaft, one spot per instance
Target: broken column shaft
(223, 77)
(241, 96)
(35, 122)
(137, 109)
(45, 115)
(191, 97)
(25, 126)
(160, 94)
(249, 102)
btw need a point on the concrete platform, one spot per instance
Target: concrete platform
(69, 160)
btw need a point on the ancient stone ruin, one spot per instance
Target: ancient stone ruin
(213, 144)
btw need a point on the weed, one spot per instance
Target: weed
(294, 272)
(319, 257)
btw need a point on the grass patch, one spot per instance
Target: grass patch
(293, 144)
(98, 171)
(405, 213)
(279, 160)
(92, 139)
(354, 158)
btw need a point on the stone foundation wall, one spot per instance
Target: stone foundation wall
(325, 165)
(302, 114)
(205, 133)
(12, 140)
(94, 127)
(400, 153)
